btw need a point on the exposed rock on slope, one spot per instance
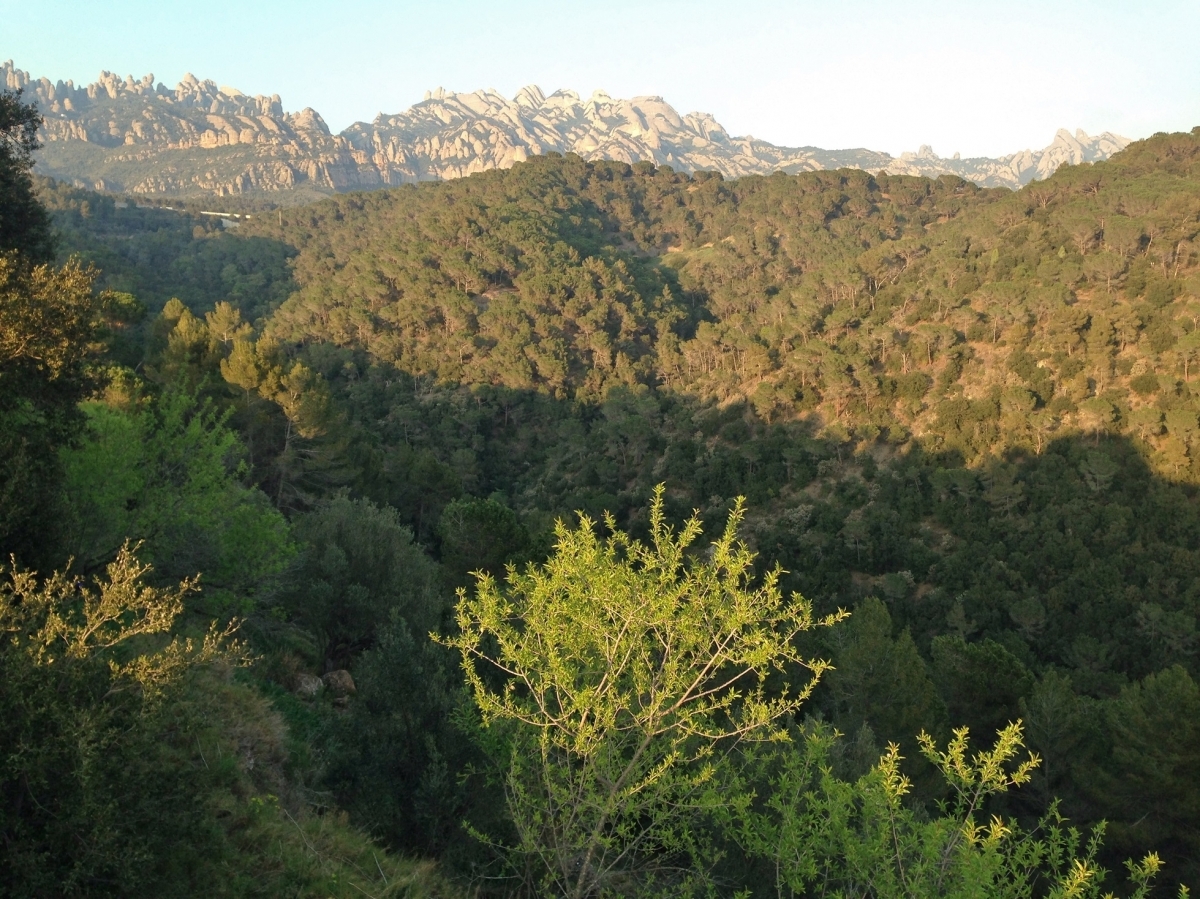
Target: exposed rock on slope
(136, 136)
(1016, 169)
(198, 138)
(448, 135)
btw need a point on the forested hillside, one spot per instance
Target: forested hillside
(967, 417)
(977, 406)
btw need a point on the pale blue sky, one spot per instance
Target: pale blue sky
(975, 77)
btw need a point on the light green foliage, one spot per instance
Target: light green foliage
(298, 393)
(61, 622)
(188, 350)
(824, 836)
(164, 472)
(92, 797)
(267, 380)
(282, 406)
(628, 670)
(225, 324)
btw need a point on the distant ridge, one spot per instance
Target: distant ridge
(138, 136)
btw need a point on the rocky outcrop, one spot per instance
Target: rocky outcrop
(307, 686)
(142, 137)
(137, 136)
(340, 683)
(449, 135)
(1016, 169)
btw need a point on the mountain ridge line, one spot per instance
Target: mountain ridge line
(139, 136)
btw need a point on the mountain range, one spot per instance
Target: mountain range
(141, 137)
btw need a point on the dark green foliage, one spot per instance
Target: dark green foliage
(358, 566)
(1145, 384)
(404, 760)
(88, 756)
(157, 253)
(50, 325)
(969, 317)
(108, 795)
(881, 681)
(982, 682)
(517, 273)
(1152, 737)
(122, 772)
(479, 535)
(24, 222)
(100, 796)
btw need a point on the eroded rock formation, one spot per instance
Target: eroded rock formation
(139, 136)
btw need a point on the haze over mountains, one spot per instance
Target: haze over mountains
(139, 136)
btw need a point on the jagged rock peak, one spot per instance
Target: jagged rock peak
(309, 119)
(531, 95)
(257, 146)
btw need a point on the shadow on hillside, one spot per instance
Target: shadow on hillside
(1085, 526)
(1081, 560)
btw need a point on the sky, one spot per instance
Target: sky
(972, 76)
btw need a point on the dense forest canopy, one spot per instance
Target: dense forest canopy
(885, 303)
(968, 417)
